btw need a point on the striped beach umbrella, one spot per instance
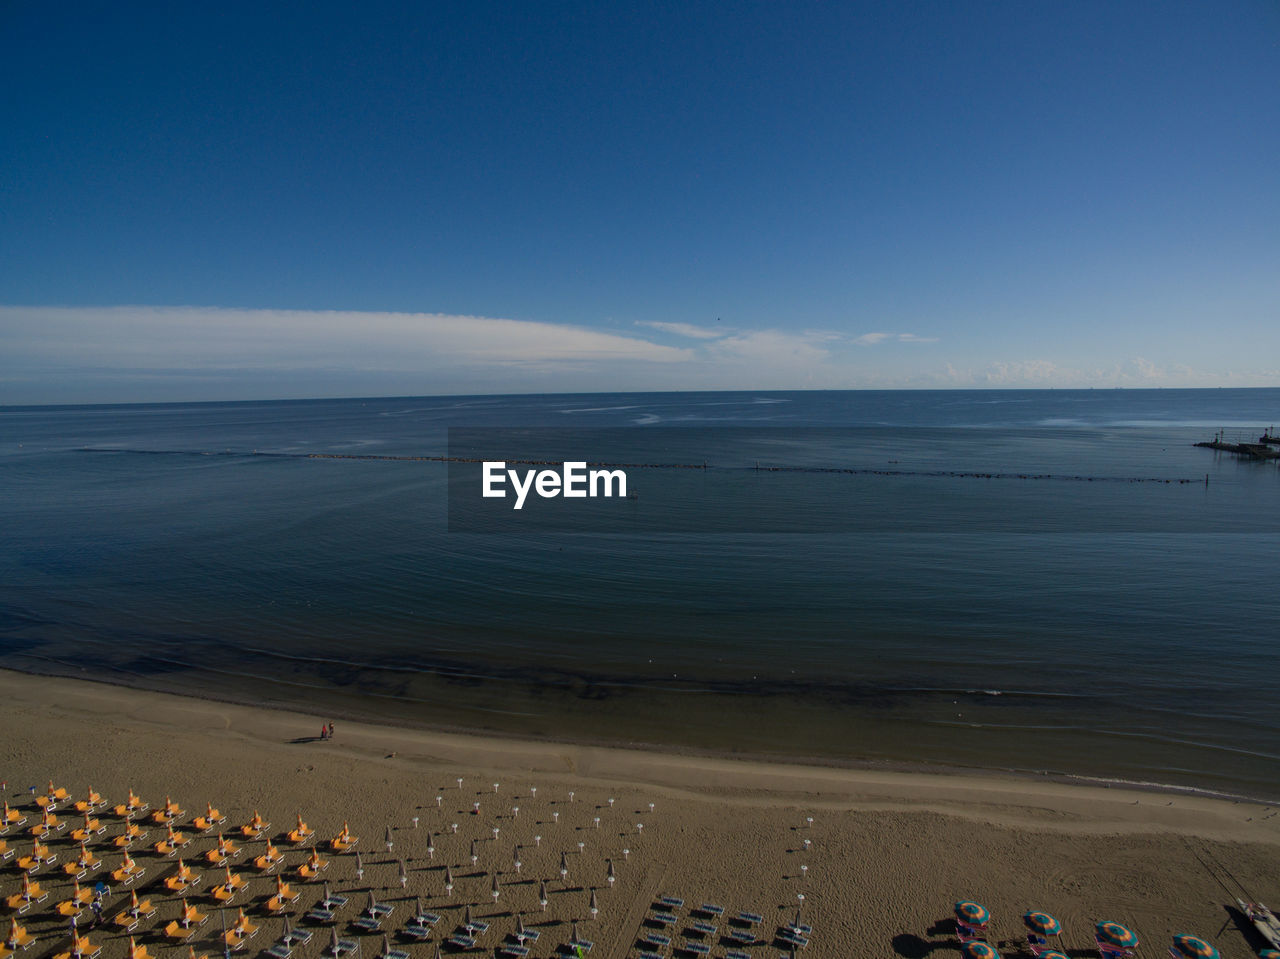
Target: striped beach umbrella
(972, 913)
(1192, 947)
(1270, 954)
(1042, 922)
(1114, 934)
(980, 950)
(1053, 954)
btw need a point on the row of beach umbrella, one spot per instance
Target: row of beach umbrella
(1117, 937)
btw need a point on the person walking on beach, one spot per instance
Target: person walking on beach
(330, 730)
(324, 731)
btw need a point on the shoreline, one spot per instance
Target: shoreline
(264, 692)
(664, 765)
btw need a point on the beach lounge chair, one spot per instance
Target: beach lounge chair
(512, 949)
(663, 918)
(71, 907)
(318, 913)
(233, 940)
(91, 801)
(255, 827)
(128, 871)
(283, 898)
(301, 833)
(167, 813)
(657, 940)
(704, 928)
(178, 932)
(183, 879)
(243, 926)
(672, 902)
(226, 890)
(737, 954)
(191, 916)
(47, 824)
(696, 947)
(53, 795)
(140, 908)
(19, 938)
(332, 902)
(340, 947)
(711, 909)
(211, 818)
(85, 861)
(462, 941)
(132, 806)
(344, 840)
(11, 817)
(81, 948)
(314, 865)
(269, 859)
(281, 950)
(89, 828)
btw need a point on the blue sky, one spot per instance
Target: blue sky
(260, 200)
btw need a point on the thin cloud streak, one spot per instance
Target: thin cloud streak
(159, 354)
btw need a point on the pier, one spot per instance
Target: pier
(1261, 450)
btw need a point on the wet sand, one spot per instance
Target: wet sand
(888, 852)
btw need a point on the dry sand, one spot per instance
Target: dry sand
(890, 851)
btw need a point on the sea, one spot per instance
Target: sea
(1052, 582)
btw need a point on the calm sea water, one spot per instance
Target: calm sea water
(1096, 623)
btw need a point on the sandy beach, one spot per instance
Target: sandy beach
(878, 856)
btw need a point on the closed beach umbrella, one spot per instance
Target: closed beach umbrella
(542, 895)
(1114, 934)
(972, 913)
(980, 950)
(1042, 922)
(1192, 947)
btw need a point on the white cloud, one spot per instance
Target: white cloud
(687, 329)
(202, 338)
(771, 347)
(871, 339)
